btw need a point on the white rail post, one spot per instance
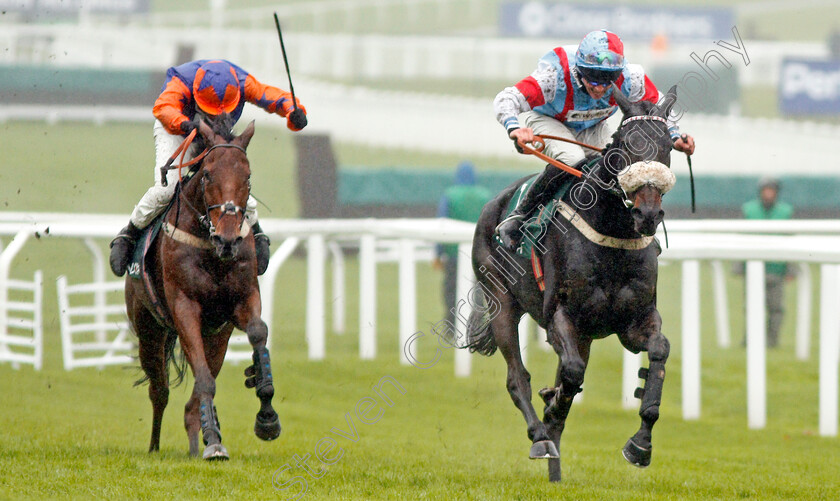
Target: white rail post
(5, 264)
(269, 277)
(630, 379)
(803, 311)
(756, 346)
(466, 279)
(99, 299)
(408, 295)
(367, 297)
(721, 304)
(315, 311)
(691, 339)
(338, 294)
(542, 340)
(525, 328)
(829, 347)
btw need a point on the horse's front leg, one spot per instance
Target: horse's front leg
(646, 335)
(258, 375)
(200, 410)
(574, 356)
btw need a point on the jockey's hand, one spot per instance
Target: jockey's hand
(524, 135)
(685, 144)
(188, 125)
(297, 119)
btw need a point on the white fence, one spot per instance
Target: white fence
(404, 240)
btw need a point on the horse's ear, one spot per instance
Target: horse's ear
(668, 102)
(206, 132)
(246, 136)
(621, 100)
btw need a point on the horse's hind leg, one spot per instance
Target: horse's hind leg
(519, 380)
(574, 356)
(258, 375)
(637, 451)
(152, 353)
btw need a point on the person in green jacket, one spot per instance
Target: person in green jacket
(462, 201)
(767, 206)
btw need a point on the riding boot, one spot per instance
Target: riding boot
(543, 188)
(261, 242)
(122, 247)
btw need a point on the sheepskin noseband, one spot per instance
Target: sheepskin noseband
(639, 174)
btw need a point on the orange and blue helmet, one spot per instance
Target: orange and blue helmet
(600, 57)
(216, 88)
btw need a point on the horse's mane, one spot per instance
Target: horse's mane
(222, 125)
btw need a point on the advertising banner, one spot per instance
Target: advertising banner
(808, 87)
(566, 20)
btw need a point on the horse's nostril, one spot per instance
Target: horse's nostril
(636, 212)
(661, 214)
(217, 240)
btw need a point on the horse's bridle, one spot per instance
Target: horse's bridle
(228, 207)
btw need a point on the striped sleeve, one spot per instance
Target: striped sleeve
(530, 92)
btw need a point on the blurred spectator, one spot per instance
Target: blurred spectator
(462, 201)
(767, 206)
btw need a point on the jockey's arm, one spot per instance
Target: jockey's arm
(273, 100)
(169, 106)
(532, 91)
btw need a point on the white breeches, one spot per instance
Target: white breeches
(568, 153)
(157, 197)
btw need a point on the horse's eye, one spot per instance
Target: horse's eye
(207, 179)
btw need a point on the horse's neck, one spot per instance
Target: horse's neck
(181, 215)
(608, 215)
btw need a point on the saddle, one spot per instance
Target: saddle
(137, 266)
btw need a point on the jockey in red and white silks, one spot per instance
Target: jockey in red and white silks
(570, 95)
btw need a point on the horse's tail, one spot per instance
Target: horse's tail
(178, 361)
(480, 333)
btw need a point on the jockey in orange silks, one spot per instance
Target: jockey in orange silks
(192, 90)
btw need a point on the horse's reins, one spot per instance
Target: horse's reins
(538, 151)
(227, 207)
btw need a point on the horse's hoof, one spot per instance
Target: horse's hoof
(215, 452)
(635, 455)
(544, 449)
(267, 429)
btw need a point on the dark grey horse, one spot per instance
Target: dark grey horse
(599, 261)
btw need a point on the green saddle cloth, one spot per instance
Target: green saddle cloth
(536, 225)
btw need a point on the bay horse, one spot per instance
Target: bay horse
(201, 283)
(599, 274)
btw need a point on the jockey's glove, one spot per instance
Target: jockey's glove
(297, 119)
(188, 126)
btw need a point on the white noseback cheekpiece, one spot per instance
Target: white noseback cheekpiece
(639, 174)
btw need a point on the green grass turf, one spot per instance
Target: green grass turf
(83, 434)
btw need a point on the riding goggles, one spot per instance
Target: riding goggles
(599, 78)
